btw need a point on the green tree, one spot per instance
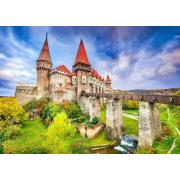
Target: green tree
(11, 112)
(61, 135)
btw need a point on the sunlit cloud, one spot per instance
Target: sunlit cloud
(134, 57)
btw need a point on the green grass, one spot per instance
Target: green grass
(33, 135)
(163, 144)
(29, 141)
(177, 148)
(131, 111)
(101, 139)
(131, 126)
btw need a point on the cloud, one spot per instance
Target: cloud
(144, 69)
(167, 69)
(134, 57)
(16, 61)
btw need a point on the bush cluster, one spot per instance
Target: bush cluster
(130, 104)
(50, 111)
(94, 121)
(72, 109)
(61, 135)
(11, 117)
(38, 104)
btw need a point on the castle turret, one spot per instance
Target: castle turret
(43, 66)
(108, 81)
(82, 68)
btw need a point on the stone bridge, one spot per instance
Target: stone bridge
(149, 122)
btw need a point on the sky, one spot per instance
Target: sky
(133, 57)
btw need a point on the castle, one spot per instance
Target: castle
(60, 84)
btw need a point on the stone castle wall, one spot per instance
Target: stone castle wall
(61, 88)
(25, 92)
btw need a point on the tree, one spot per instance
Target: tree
(61, 135)
(11, 117)
(11, 112)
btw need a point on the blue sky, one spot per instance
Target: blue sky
(134, 57)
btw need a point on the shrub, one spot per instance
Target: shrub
(94, 121)
(61, 135)
(11, 113)
(130, 104)
(36, 104)
(12, 131)
(50, 111)
(72, 109)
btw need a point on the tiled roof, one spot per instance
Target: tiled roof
(96, 74)
(45, 53)
(81, 56)
(64, 69)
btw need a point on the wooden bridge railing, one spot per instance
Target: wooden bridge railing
(163, 99)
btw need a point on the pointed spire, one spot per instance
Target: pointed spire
(45, 53)
(108, 79)
(81, 56)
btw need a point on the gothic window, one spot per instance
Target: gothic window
(74, 80)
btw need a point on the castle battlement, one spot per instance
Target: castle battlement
(20, 84)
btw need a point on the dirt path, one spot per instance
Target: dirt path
(177, 130)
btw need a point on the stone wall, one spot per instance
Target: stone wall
(61, 95)
(25, 92)
(90, 132)
(61, 88)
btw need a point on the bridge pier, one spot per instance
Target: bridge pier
(85, 104)
(114, 121)
(94, 107)
(149, 123)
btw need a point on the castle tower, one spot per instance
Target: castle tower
(82, 68)
(43, 67)
(108, 81)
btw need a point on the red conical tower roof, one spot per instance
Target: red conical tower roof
(45, 54)
(81, 56)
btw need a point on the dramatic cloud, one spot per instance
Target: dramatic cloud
(134, 57)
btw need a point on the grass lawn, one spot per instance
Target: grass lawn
(131, 111)
(101, 139)
(131, 126)
(33, 135)
(177, 148)
(30, 141)
(163, 145)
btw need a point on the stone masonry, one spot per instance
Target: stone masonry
(94, 108)
(114, 118)
(149, 123)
